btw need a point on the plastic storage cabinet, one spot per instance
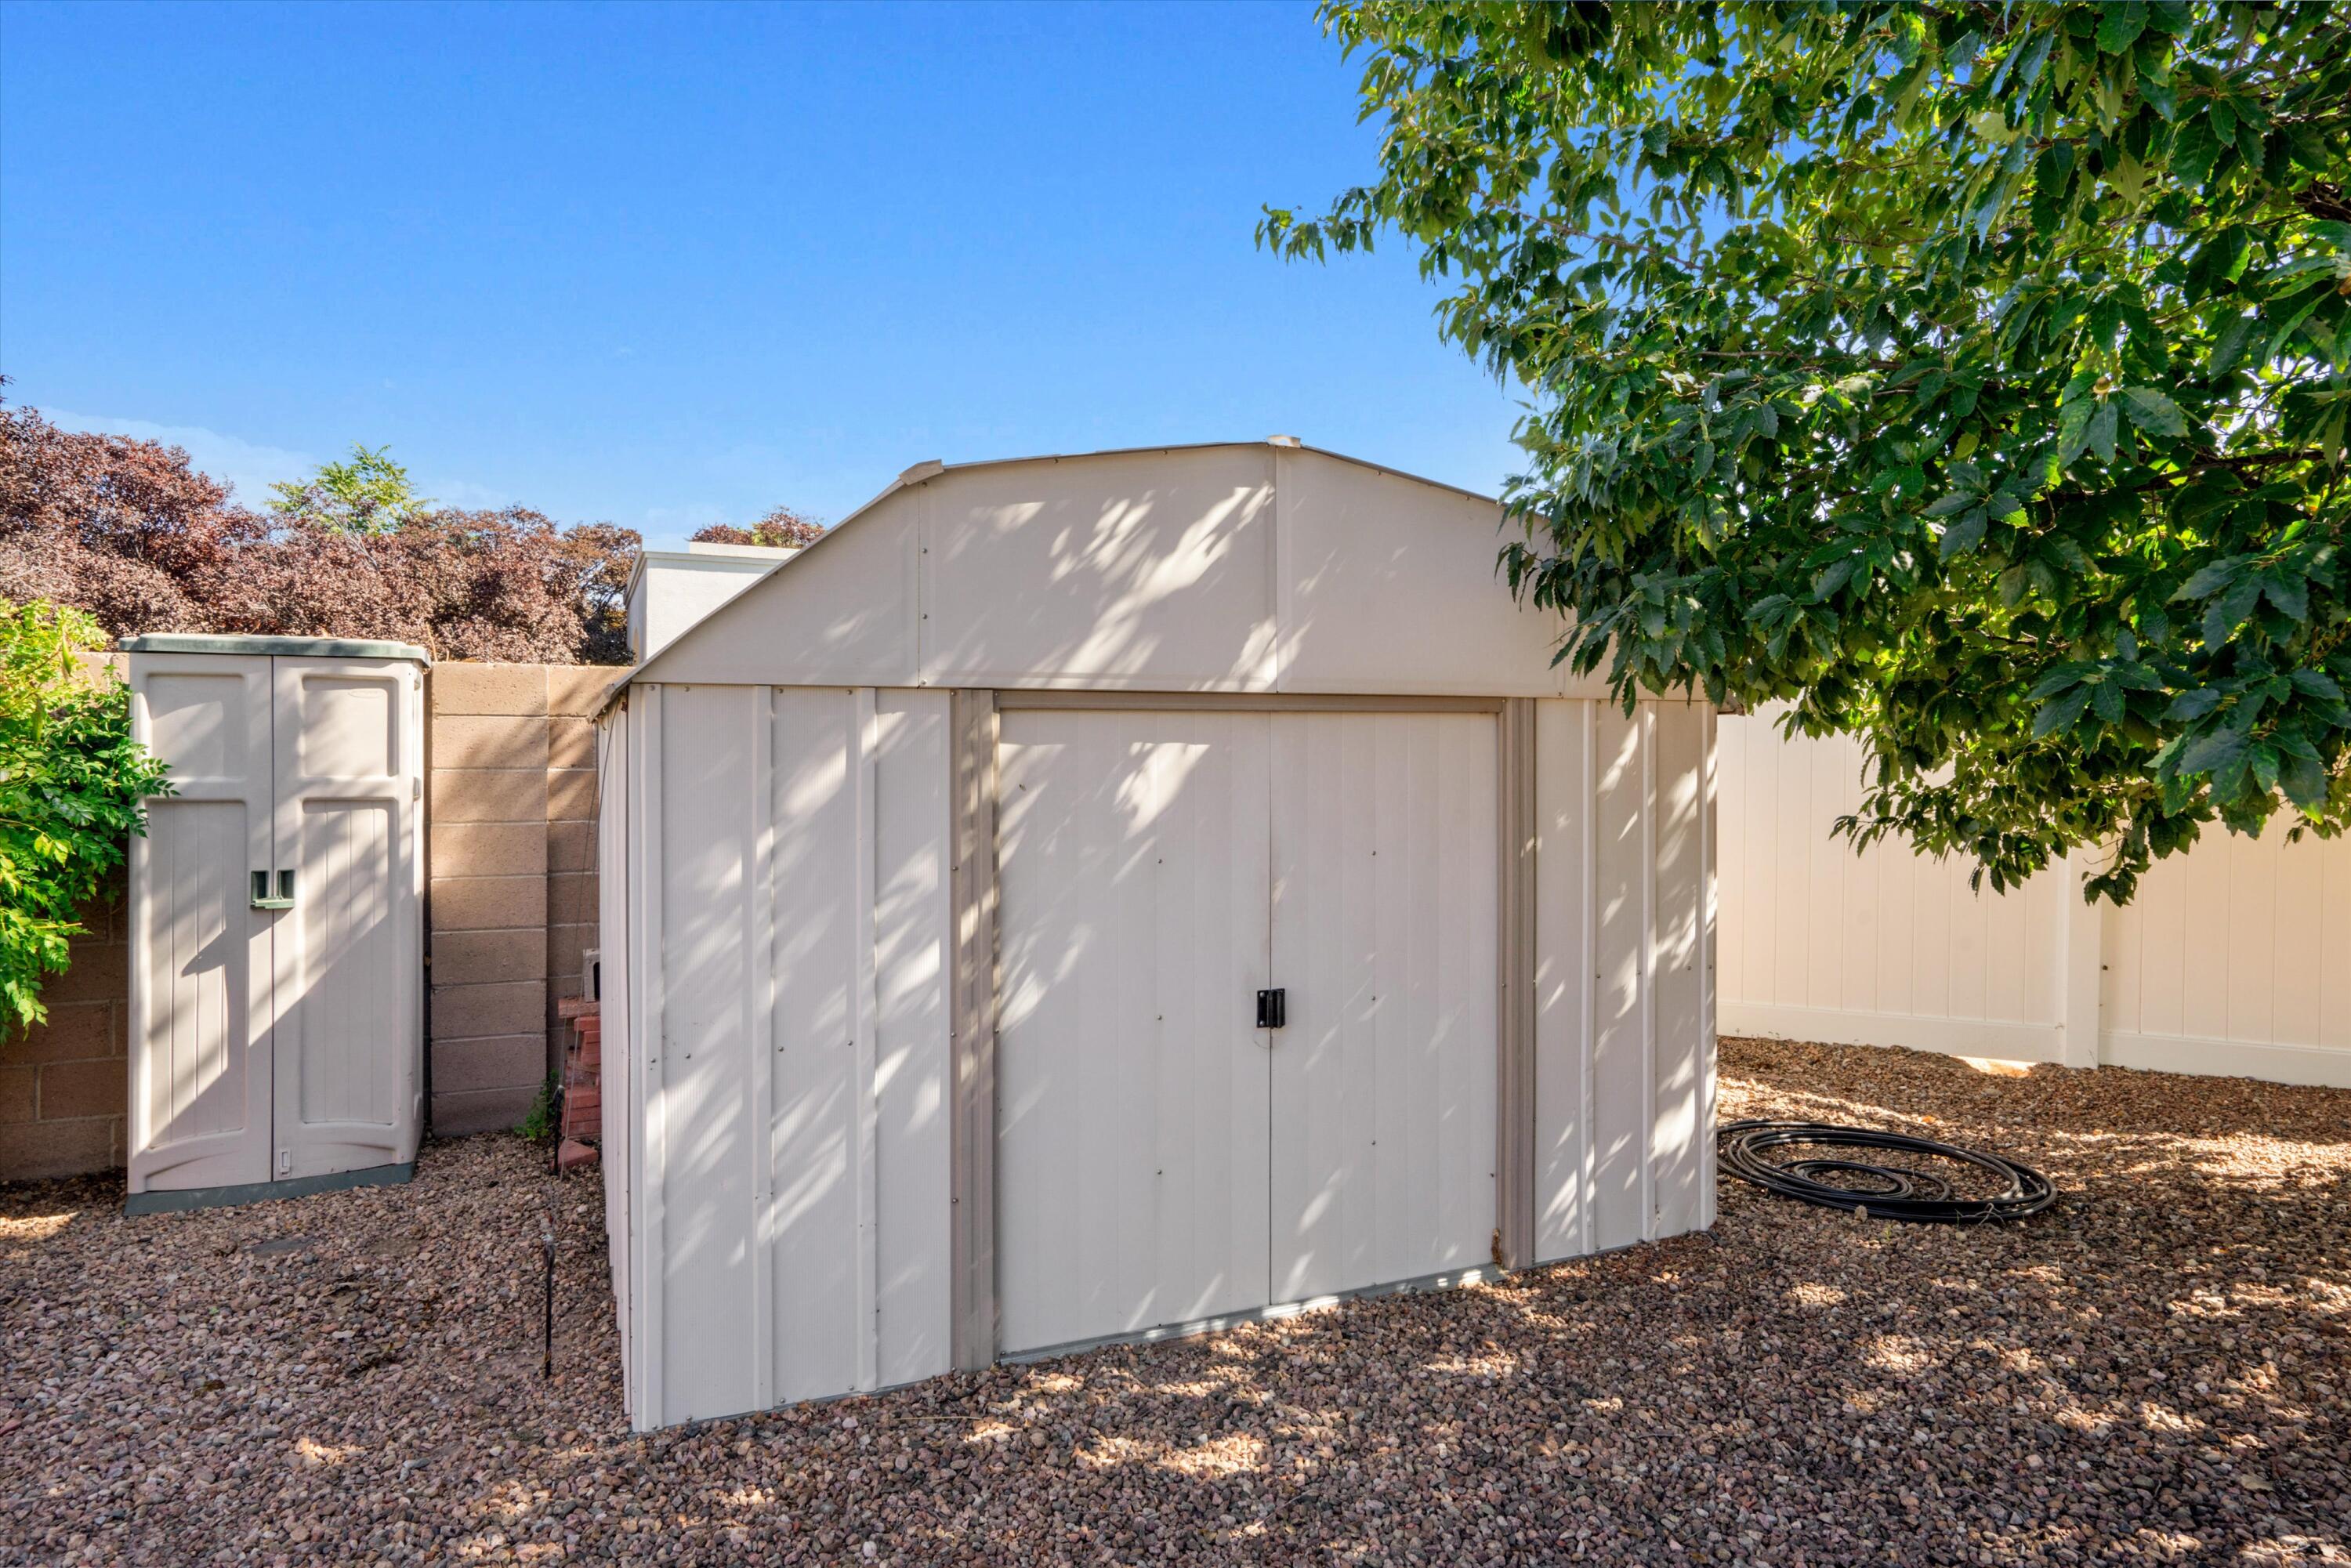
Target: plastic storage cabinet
(276, 904)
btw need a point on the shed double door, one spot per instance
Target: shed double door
(1161, 1159)
(276, 940)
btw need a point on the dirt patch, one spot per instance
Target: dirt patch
(2156, 1371)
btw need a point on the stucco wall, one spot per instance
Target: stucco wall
(511, 852)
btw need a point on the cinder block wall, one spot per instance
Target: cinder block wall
(65, 1085)
(513, 886)
(512, 902)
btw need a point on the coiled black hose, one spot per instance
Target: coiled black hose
(1889, 1192)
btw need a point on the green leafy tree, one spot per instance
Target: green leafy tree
(73, 785)
(1970, 376)
(369, 494)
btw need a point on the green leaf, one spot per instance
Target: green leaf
(2317, 684)
(2228, 348)
(2212, 751)
(2194, 704)
(2208, 580)
(2101, 432)
(1964, 535)
(2151, 410)
(2061, 713)
(2066, 675)
(2120, 26)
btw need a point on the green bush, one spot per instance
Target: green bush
(72, 788)
(538, 1125)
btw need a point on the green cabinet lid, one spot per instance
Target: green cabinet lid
(293, 647)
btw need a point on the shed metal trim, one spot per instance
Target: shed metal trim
(1011, 700)
(1514, 1014)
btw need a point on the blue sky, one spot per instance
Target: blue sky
(675, 264)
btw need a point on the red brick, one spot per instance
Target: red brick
(73, 1089)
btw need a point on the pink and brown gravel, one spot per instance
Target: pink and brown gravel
(2156, 1372)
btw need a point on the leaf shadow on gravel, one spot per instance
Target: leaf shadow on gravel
(2156, 1371)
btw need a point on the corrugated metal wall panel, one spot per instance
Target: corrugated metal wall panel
(814, 1138)
(1157, 868)
(912, 940)
(1625, 919)
(1621, 1067)
(1384, 845)
(1131, 1094)
(1563, 977)
(618, 1142)
(710, 1140)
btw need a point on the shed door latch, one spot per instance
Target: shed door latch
(1272, 1009)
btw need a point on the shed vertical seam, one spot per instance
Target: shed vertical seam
(759, 995)
(652, 994)
(866, 747)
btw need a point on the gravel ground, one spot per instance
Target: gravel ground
(2157, 1371)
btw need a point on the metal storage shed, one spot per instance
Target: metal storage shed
(1093, 897)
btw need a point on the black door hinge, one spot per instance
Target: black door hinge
(1272, 1009)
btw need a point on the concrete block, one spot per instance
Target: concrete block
(70, 1090)
(99, 972)
(507, 1062)
(580, 689)
(572, 794)
(489, 958)
(570, 743)
(571, 899)
(570, 846)
(487, 849)
(480, 1111)
(473, 1012)
(485, 740)
(16, 1094)
(489, 795)
(489, 688)
(564, 945)
(77, 1032)
(37, 1151)
(489, 903)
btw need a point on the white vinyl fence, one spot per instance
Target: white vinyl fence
(2234, 958)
